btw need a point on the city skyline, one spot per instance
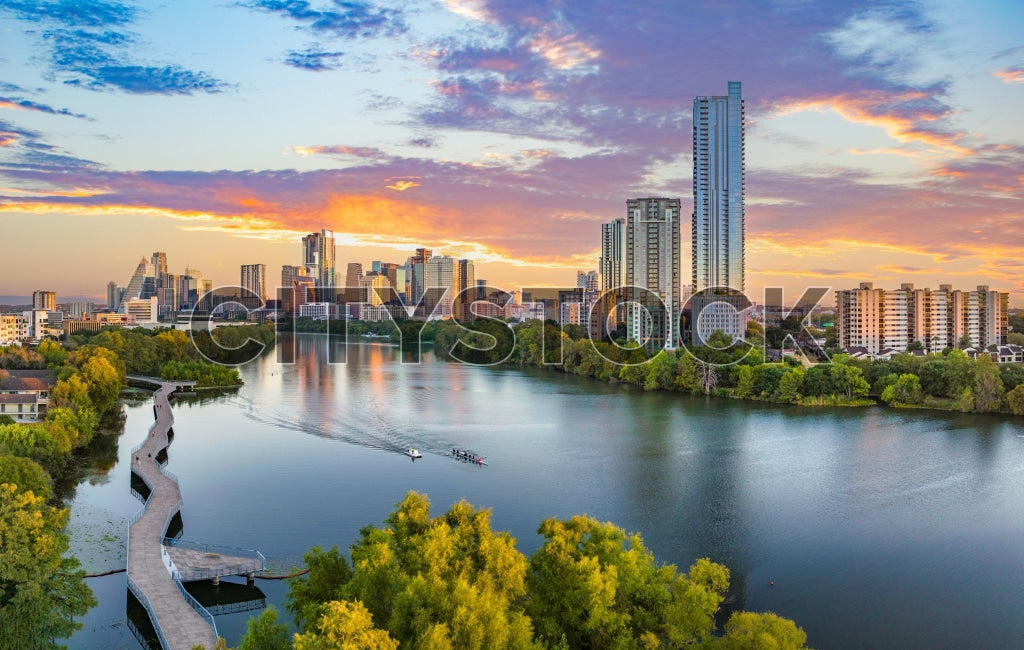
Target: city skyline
(880, 146)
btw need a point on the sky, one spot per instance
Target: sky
(884, 140)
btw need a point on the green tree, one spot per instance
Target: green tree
(745, 381)
(53, 354)
(71, 393)
(750, 631)
(40, 590)
(905, 390)
(26, 474)
(790, 386)
(662, 371)
(264, 632)
(594, 586)
(1015, 400)
(345, 626)
(328, 573)
(988, 385)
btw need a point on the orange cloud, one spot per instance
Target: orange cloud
(1010, 75)
(563, 51)
(401, 186)
(474, 9)
(868, 108)
(340, 150)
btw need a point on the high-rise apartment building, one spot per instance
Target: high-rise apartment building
(319, 252)
(653, 264)
(613, 255)
(417, 271)
(718, 222)
(46, 300)
(254, 279)
(892, 319)
(134, 290)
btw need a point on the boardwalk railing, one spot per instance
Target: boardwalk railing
(255, 561)
(194, 604)
(141, 597)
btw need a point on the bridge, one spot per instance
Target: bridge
(157, 564)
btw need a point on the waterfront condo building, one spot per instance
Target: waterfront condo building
(717, 228)
(652, 271)
(885, 320)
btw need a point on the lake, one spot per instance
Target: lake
(879, 527)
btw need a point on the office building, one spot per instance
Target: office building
(114, 294)
(718, 186)
(135, 285)
(442, 275)
(143, 310)
(417, 272)
(159, 262)
(653, 271)
(319, 252)
(254, 280)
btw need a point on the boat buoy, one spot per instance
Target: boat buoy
(772, 583)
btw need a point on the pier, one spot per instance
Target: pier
(158, 565)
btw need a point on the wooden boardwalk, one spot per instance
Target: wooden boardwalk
(179, 623)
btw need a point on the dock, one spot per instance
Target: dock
(158, 565)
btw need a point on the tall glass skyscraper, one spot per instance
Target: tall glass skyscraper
(718, 221)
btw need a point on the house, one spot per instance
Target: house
(25, 394)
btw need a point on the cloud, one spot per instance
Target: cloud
(402, 185)
(341, 150)
(314, 60)
(1010, 75)
(347, 19)
(27, 105)
(90, 47)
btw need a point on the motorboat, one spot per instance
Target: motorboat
(413, 453)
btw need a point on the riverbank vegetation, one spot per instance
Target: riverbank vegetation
(173, 354)
(948, 380)
(450, 582)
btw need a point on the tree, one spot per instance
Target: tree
(265, 633)
(915, 345)
(53, 354)
(791, 385)
(26, 474)
(71, 393)
(104, 382)
(345, 626)
(662, 371)
(905, 390)
(328, 573)
(40, 590)
(988, 386)
(1015, 400)
(596, 587)
(447, 577)
(745, 381)
(750, 631)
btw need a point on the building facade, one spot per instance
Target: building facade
(45, 300)
(319, 252)
(254, 280)
(717, 229)
(612, 264)
(653, 271)
(881, 320)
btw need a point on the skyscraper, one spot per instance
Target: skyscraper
(417, 270)
(113, 295)
(134, 289)
(159, 262)
(613, 254)
(718, 222)
(254, 279)
(653, 264)
(318, 251)
(443, 273)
